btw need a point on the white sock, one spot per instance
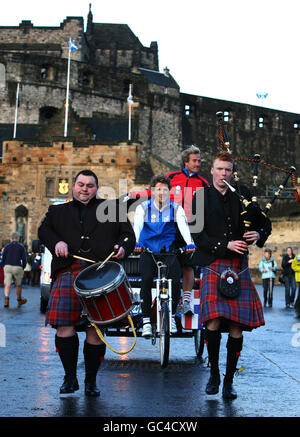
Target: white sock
(187, 294)
(146, 320)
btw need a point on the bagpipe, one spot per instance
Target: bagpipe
(251, 210)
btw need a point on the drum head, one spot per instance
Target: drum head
(92, 281)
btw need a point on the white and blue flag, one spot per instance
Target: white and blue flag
(73, 46)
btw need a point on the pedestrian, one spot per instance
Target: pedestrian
(14, 261)
(184, 183)
(296, 269)
(289, 277)
(27, 270)
(156, 223)
(35, 268)
(223, 251)
(76, 228)
(1, 267)
(268, 267)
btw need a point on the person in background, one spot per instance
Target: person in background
(268, 268)
(14, 261)
(289, 277)
(36, 269)
(296, 269)
(27, 270)
(1, 267)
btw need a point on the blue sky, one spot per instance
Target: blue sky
(229, 49)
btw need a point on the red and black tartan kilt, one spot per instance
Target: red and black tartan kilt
(245, 310)
(64, 306)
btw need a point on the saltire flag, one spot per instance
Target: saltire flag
(72, 46)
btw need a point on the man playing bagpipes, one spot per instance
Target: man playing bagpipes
(228, 301)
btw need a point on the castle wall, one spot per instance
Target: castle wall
(27, 171)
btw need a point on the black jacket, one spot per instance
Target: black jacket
(213, 239)
(79, 226)
(286, 266)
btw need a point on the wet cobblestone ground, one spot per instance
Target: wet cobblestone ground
(134, 385)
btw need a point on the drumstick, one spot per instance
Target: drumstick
(109, 256)
(84, 259)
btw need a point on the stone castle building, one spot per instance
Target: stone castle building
(39, 159)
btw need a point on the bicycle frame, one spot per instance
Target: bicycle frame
(163, 292)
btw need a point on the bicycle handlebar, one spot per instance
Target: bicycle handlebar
(173, 252)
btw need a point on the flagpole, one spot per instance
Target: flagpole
(129, 118)
(16, 110)
(67, 95)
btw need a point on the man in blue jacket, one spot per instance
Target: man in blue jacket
(14, 262)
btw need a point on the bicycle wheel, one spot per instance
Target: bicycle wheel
(199, 342)
(164, 338)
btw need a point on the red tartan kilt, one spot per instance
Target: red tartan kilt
(64, 307)
(245, 310)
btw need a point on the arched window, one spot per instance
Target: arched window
(46, 113)
(126, 84)
(226, 115)
(47, 72)
(261, 121)
(50, 187)
(88, 79)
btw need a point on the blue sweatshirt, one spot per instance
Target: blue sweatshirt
(14, 254)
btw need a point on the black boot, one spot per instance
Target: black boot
(67, 348)
(234, 347)
(93, 356)
(213, 340)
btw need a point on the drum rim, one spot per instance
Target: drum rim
(104, 289)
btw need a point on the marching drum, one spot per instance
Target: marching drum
(105, 293)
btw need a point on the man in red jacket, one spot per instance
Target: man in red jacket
(185, 183)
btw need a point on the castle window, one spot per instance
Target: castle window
(47, 72)
(126, 84)
(226, 116)
(187, 110)
(43, 73)
(296, 127)
(2, 76)
(88, 79)
(46, 113)
(49, 187)
(261, 122)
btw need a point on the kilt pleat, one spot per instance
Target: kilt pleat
(245, 310)
(64, 306)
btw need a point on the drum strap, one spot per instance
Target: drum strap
(105, 342)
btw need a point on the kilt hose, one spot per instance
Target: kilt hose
(245, 310)
(64, 306)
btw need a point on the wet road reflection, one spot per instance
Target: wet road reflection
(134, 385)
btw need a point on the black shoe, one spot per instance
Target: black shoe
(91, 389)
(228, 391)
(69, 385)
(212, 387)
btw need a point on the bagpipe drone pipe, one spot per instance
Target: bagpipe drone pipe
(251, 211)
